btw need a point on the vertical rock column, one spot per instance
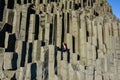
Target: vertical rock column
(83, 53)
(21, 73)
(64, 70)
(89, 3)
(31, 71)
(69, 42)
(71, 74)
(40, 33)
(8, 61)
(47, 33)
(51, 74)
(28, 72)
(94, 54)
(100, 34)
(16, 24)
(23, 23)
(22, 2)
(115, 29)
(9, 16)
(98, 72)
(1, 58)
(82, 5)
(62, 66)
(19, 51)
(65, 25)
(89, 54)
(10, 39)
(31, 32)
(82, 73)
(6, 39)
(39, 70)
(15, 21)
(54, 23)
(28, 58)
(107, 36)
(48, 9)
(70, 22)
(37, 2)
(59, 29)
(94, 29)
(100, 41)
(73, 58)
(42, 54)
(36, 50)
(106, 63)
(89, 29)
(119, 28)
(59, 62)
(117, 59)
(90, 73)
(75, 29)
(68, 5)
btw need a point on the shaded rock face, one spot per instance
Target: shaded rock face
(32, 33)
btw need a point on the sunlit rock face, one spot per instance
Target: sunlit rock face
(58, 40)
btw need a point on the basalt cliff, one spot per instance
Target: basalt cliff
(32, 32)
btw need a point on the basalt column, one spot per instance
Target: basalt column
(32, 33)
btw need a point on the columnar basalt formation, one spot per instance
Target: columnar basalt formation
(32, 31)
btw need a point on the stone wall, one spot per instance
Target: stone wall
(32, 32)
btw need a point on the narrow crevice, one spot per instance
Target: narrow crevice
(73, 43)
(51, 33)
(36, 27)
(23, 55)
(30, 52)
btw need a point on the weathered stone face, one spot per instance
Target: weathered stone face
(32, 33)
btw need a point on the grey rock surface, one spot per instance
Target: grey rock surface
(32, 33)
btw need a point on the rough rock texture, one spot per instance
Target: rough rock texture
(31, 33)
